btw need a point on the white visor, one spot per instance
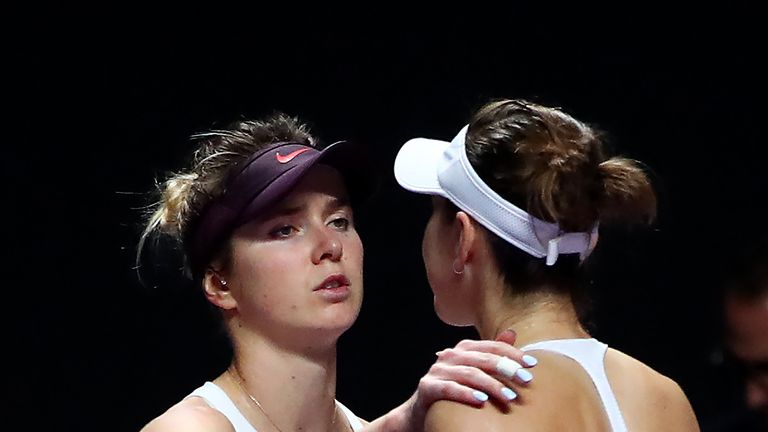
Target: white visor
(441, 168)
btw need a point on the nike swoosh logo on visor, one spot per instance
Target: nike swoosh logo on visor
(289, 157)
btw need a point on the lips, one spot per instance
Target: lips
(333, 282)
(334, 289)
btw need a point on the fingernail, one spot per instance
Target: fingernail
(438, 353)
(530, 360)
(508, 393)
(524, 375)
(482, 397)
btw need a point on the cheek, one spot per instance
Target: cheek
(353, 264)
(263, 272)
(425, 242)
(353, 250)
(261, 264)
(431, 252)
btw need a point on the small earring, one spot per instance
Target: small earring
(458, 272)
(218, 276)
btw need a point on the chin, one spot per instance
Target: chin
(339, 318)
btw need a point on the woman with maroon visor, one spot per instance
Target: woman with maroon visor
(265, 221)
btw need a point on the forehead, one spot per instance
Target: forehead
(320, 186)
(322, 189)
(320, 180)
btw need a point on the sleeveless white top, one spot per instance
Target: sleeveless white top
(590, 354)
(218, 399)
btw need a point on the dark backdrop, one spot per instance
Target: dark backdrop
(103, 111)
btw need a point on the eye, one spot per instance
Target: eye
(340, 223)
(283, 231)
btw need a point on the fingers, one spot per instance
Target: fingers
(477, 370)
(488, 363)
(509, 336)
(500, 349)
(512, 369)
(453, 391)
(464, 384)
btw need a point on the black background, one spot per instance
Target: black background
(99, 110)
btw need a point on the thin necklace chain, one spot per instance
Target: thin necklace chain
(235, 376)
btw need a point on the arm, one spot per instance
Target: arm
(456, 376)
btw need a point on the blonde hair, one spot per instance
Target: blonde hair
(183, 196)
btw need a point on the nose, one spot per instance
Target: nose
(329, 247)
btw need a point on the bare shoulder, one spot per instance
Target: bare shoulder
(190, 415)
(555, 394)
(448, 416)
(647, 398)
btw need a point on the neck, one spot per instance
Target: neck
(534, 317)
(295, 389)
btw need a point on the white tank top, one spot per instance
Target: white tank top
(218, 399)
(590, 354)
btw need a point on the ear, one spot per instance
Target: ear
(217, 291)
(466, 241)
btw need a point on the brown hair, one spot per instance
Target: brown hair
(554, 167)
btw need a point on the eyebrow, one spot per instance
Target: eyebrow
(332, 204)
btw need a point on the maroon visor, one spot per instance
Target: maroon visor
(265, 178)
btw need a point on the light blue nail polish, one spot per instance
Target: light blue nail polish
(482, 397)
(524, 375)
(530, 360)
(508, 393)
